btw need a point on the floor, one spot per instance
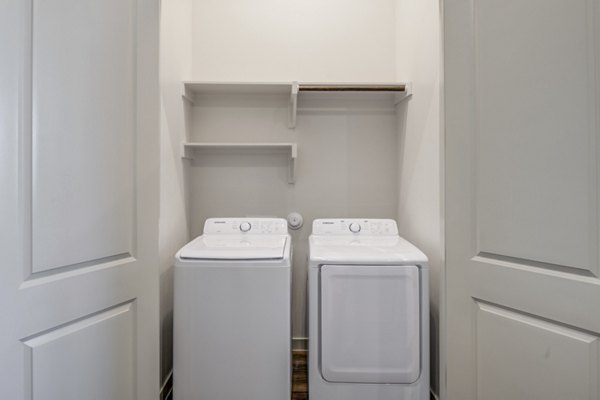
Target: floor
(299, 376)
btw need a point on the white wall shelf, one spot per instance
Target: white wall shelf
(190, 148)
(192, 89)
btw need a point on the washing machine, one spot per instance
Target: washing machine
(368, 313)
(232, 336)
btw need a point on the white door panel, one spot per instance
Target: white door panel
(521, 357)
(83, 113)
(522, 83)
(79, 204)
(535, 154)
(90, 358)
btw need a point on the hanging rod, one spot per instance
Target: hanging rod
(352, 88)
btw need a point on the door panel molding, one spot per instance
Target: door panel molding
(514, 218)
(521, 355)
(25, 135)
(81, 323)
(544, 293)
(93, 354)
(93, 119)
(578, 333)
(41, 278)
(539, 266)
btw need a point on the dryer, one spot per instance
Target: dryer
(368, 312)
(232, 336)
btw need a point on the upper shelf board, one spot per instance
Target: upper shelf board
(191, 89)
(194, 88)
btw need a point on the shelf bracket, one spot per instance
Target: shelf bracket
(185, 152)
(186, 96)
(293, 156)
(399, 98)
(293, 105)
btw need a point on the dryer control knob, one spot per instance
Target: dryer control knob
(245, 226)
(354, 227)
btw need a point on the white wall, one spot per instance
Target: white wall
(420, 147)
(284, 40)
(175, 64)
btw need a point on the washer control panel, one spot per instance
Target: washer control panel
(355, 226)
(257, 226)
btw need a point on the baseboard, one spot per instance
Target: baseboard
(300, 343)
(167, 387)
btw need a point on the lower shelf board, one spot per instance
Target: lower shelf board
(189, 149)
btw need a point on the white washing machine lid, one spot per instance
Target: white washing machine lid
(364, 249)
(235, 247)
(356, 240)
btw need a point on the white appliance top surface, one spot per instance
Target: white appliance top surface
(239, 239)
(373, 241)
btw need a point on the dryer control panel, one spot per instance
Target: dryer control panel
(355, 226)
(257, 226)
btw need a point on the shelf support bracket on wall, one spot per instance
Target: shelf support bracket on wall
(186, 152)
(293, 156)
(293, 105)
(186, 96)
(399, 98)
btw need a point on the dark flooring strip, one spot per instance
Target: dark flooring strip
(299, 376)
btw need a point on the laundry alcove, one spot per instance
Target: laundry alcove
(255, 144)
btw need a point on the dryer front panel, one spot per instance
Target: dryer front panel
(370, 323)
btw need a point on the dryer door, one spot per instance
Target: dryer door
(370, 324)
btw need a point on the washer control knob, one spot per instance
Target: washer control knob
(245, 226)
(354, 227)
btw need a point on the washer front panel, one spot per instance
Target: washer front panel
(370, 323)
